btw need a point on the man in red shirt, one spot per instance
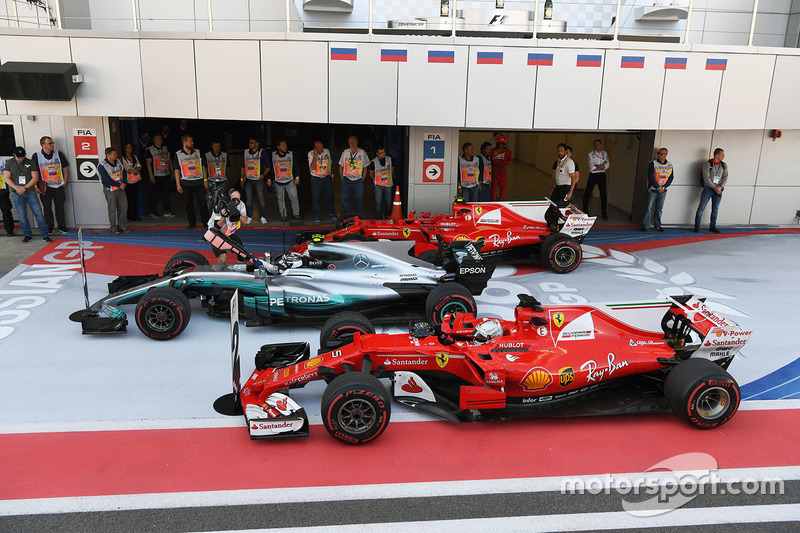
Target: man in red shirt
(501, 158)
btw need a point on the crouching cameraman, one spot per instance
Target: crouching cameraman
(228, 215)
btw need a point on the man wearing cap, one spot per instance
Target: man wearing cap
(501, 158)
(21, 177)
(5, 201)
(53, 168)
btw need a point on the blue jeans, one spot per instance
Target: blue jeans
(715, 198)
(383, 201)
(320, 186)
(357, 188)
(654, 199)
(253, 188)
(22, 202)
(485, 195)
(470, 194)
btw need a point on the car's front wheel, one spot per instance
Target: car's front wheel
(702, 393)
(355, 408)
(163, 313)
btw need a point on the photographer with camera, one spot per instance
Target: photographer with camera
(228, 215)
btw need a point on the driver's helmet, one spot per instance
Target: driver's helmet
(487, 330)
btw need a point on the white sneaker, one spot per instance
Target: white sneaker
(263, 220)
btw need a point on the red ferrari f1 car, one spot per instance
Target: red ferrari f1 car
(538, 229)
(549, 360)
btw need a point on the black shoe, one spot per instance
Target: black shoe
(697, 229)
(713, 229)
(189, 227)
(49, 231)
(27, 238)
(297, 217)
(11, 234)
(47, 239)
(660, 229)
(283, 219)
(643, 228)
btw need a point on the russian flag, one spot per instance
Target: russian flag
(394, 55)
(632, 62)
(441, 56)
(490, 58)
(675, 63)
(344, 54)
(589, 60)
(541, 60)
(716, 64)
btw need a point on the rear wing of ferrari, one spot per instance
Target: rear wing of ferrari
(691, 325)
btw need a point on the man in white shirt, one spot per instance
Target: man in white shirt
(353, 169)
(598, 164)
(565, 177)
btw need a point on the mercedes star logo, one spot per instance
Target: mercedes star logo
(361, 261)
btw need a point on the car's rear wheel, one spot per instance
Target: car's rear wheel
(186, 258)
(448, 298)
(702, 393)
(163, 313)
(340, 328)
(561, 253)
(355, 408)
(347, 219)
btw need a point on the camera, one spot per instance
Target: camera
(221, 201)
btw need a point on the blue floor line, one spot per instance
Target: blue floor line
(781, 383)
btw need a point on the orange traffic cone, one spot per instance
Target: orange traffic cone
(397, 206)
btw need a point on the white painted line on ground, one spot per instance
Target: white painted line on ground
(569, 522)
(347, 492)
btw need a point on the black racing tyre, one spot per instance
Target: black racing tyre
(347, 219)
(702, 393)
(448, 298)
(340, 328)
(186, 258)
(355, 408)
(163, 313)
(353, 237)
(561, 253)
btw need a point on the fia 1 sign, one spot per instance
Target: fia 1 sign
(433, 146)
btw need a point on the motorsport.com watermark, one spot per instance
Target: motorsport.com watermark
(689, 475)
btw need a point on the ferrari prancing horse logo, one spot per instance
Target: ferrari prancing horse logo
(478, 210)
(406, 232)
(442, 359)
(558, 319)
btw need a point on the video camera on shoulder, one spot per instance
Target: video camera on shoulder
(223, 203)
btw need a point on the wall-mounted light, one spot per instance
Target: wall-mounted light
(30, 118)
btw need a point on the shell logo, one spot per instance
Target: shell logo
(311, 363)
(461, 238)
(536, 379)
(406, 232)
